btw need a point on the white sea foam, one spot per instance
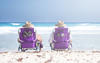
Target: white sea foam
(45, 30)
(83, 24)
(85, 28)
(15, 23)
(6, 30)
(74, 30)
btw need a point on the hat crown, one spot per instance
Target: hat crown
(60, 24)
(28, 24)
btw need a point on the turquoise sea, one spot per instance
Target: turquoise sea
(85, 36)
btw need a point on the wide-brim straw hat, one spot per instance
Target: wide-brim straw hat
(28, 25)
(60, 24)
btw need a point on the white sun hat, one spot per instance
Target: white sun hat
(60, 24)
(28, 25)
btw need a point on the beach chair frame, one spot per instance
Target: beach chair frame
(28, 43)
(61, 43)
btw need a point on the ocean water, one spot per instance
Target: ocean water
(85, 36)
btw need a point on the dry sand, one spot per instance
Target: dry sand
(50, 57)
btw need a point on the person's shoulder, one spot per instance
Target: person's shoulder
(20, 28)
(65, 26)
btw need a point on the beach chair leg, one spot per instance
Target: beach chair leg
(52, 46)
(69, 49)
(70, 46)
(19, 48)
(38, 47)
(22, 50)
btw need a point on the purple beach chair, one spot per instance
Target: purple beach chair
(28, 39)
(61, 39)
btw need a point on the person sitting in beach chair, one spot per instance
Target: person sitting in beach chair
(28, 38)
(60, 38)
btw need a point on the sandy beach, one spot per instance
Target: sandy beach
(50, 57)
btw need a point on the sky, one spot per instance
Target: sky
(50, 10)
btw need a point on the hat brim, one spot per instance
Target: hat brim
(60, 25)
(28, 25)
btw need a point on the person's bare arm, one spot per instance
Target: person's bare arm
(39, 38)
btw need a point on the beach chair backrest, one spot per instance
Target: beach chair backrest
(61, 34)
(27, 34)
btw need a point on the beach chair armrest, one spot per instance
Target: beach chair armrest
(21, 41)
(35, 40)
(54, 41)
(68, 40)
